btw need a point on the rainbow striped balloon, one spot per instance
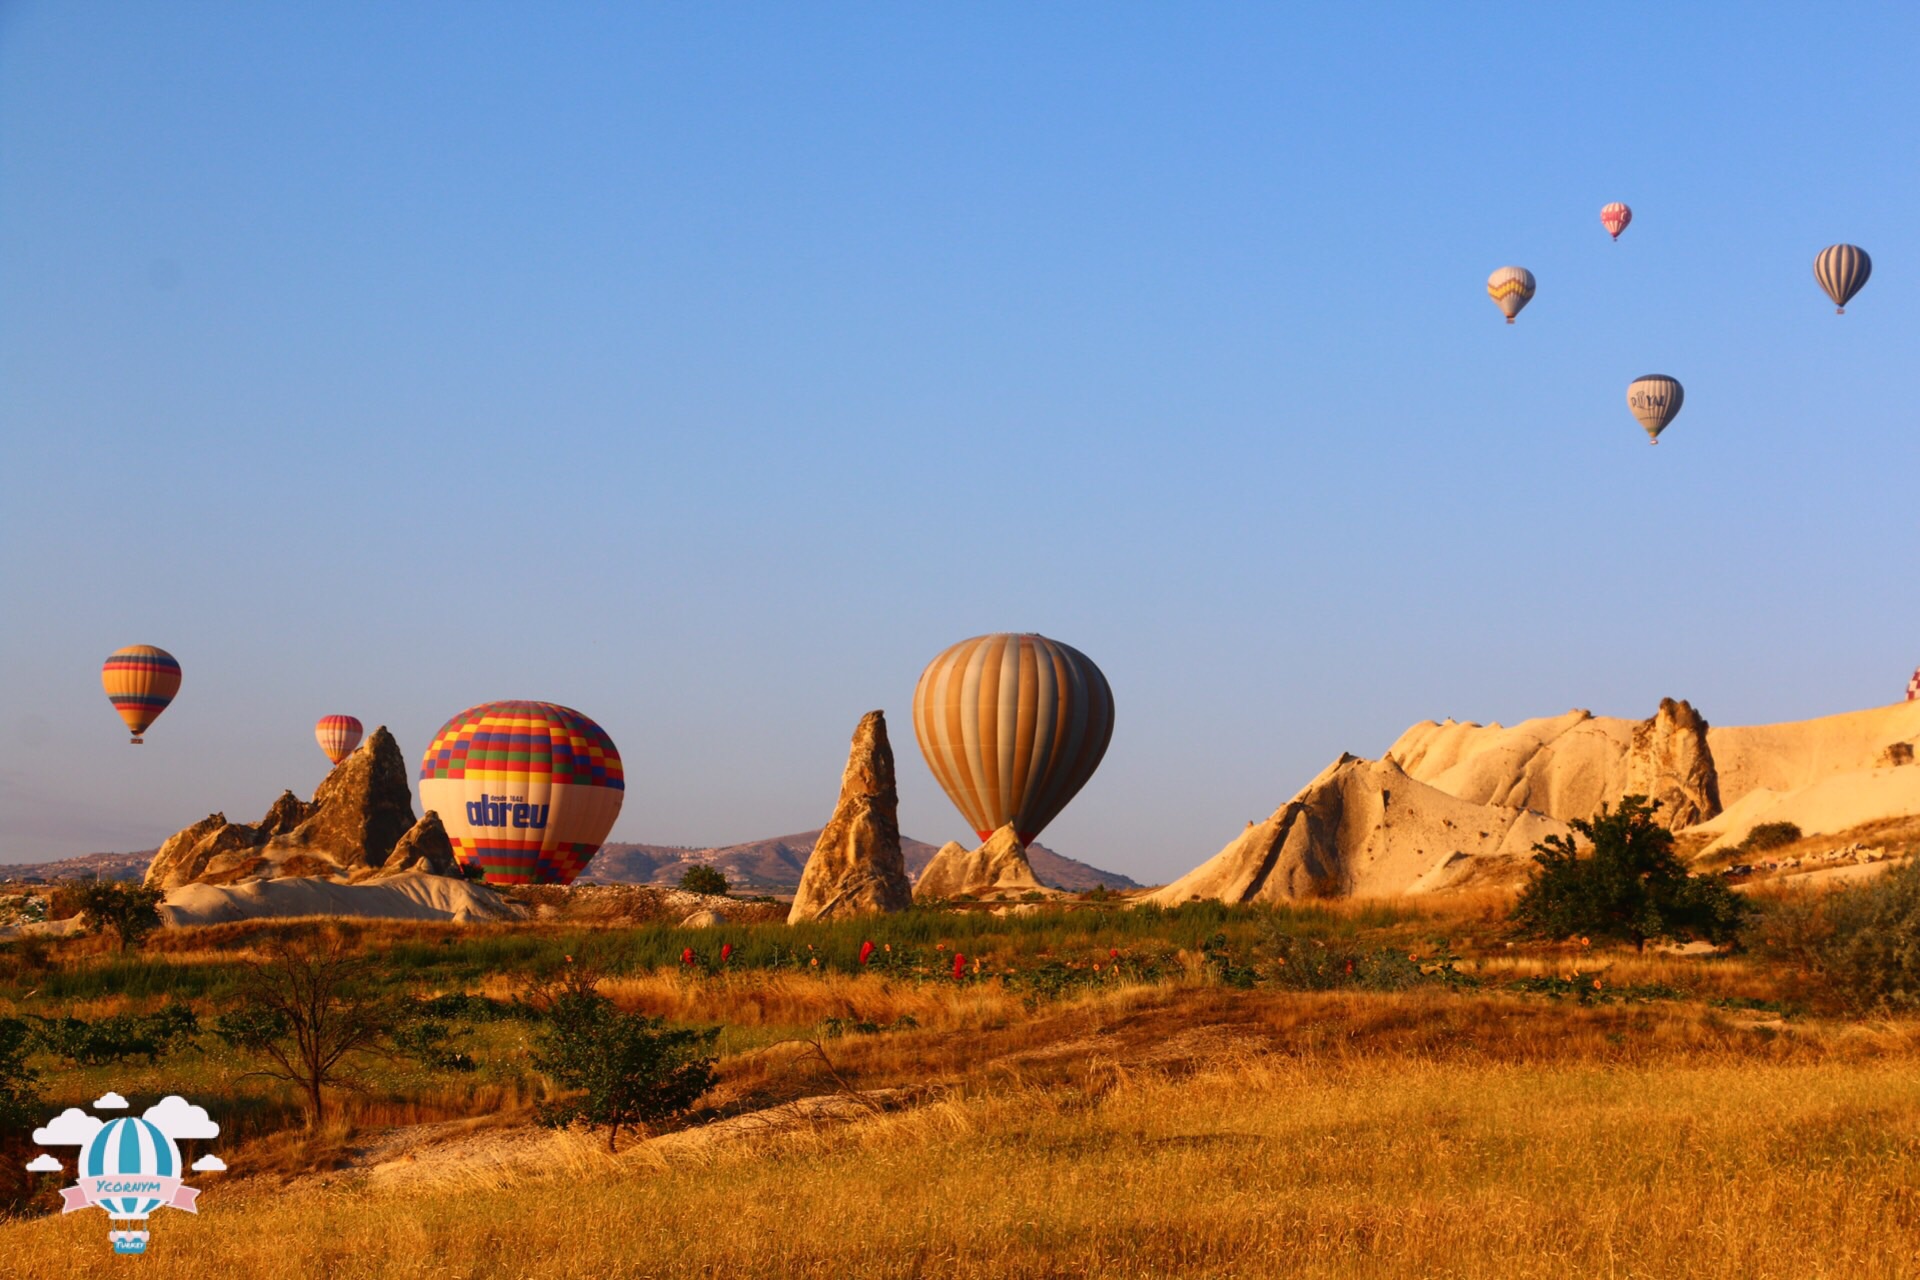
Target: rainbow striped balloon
(527, 790)
(338, 736)
(1012, 727)
(141, 680)
(134, 1148)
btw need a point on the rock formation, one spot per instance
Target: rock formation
(1669, 761)
(358, 825)
(1366, 828)
(856, 867)
(997, 869)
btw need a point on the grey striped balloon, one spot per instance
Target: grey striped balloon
(1654, 400)
(1012, 727)
(1841, 269)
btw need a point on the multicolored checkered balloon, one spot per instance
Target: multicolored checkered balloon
(527, 790)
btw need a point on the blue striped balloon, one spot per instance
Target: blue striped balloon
(130, 1147)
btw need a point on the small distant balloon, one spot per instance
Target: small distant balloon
(1655, 401)
(140, 680)
(1615, 217)
(338, 736)
(1841, 270)
(1511, 288)
(1913, 686)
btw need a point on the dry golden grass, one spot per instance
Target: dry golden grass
(1250, 1165)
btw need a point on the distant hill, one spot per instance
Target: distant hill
(87, 866)
(769, 865)
(776, 863)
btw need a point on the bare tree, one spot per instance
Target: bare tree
(308, 1012)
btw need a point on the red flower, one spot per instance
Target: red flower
(1349, 966)
(686, 956)
(1113, 953)
(726, 951)
(866, 951)
(959, 965)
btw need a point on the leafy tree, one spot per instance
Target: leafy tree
(131, 911)
(1629, 885)
(309, 1011)
(632, 1071)
(704, 879)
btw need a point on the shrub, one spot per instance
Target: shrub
(707, 880)
(1861, 944)
(19, 1083)
(1630, 885)
(631, 1071)
(1770, 835)
(117, 1038)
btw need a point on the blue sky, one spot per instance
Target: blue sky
(710, 369)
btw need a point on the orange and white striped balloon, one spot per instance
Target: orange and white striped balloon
(140, 680)
(1012, 727)
(338, 736)
(1615, 217)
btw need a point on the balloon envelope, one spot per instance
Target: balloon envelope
(527, 790)
(1012, 727)
(338, 736)
(1511, 288)
(1615, 217)
(1655, 399)
(141, 680)
(130, 1147)
(1913, 685)
(1841, 269)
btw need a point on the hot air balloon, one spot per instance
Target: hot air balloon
(338, 736)
(1615, 217)
(1841, 269)
(527, 790)
(130, 1168)
(1012, 727)
(1913, 685)
(141, 680)
(1655, 399)
(1511, 288)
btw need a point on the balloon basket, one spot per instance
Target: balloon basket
(137, 740)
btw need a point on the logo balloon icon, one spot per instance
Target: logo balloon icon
(527, 790)
(1012, 727)
(140, 680)
(130, 1168)
(338, 736)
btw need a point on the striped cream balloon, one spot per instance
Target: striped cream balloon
(1615, 217)
(1655, 399)
(140, 680)
(1841, 269)
(1511, 288)
(338, 736)
(1012, 726)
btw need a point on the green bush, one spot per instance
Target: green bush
(19, 1083)
(1861, 944)
(1629, 885)
(1769, 835)
(630, 1071)
(708, 880)
(117, 1038)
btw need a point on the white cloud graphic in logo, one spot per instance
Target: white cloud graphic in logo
(109, 1101)
(174, 1116)
(71, 1128)
(43, 1164)
(209, 1164)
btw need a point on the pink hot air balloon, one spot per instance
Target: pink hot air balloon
(338, 736)
(1913, 686)
(1615, 217)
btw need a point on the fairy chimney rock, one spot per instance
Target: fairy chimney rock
(856, 867)
(997, 869)
(1669, 761)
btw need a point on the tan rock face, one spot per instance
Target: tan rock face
(1366, 828)
(1669, 761)
(997, 869)
(358, 826)
(856, 867)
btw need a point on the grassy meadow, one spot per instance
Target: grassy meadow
(1345, 1090)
